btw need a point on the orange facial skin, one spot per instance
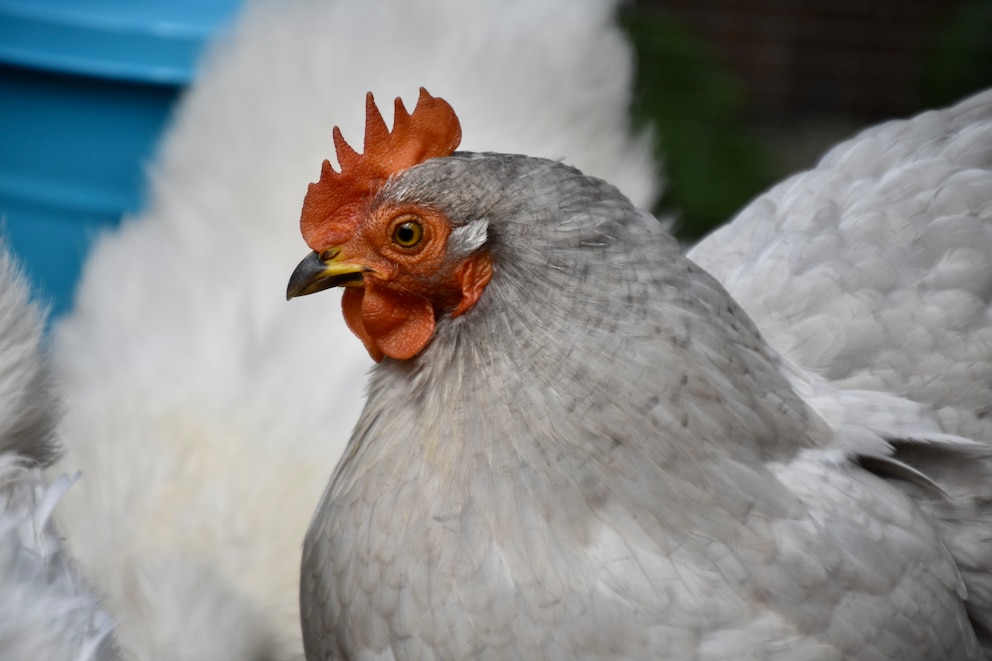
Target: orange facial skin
(404, 287)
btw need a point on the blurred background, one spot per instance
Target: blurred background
(740, 93)
(86, 89)
(746, 92)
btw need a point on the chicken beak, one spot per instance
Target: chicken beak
(320, 271)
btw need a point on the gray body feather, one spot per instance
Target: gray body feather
(874, 270)
(46, 609)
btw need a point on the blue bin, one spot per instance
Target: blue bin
(86, 87)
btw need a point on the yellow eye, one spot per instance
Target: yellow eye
(408, 233)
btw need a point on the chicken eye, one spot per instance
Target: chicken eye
(408, 233)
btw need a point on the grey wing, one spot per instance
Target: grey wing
(874, 269)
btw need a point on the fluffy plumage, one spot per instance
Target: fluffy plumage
(604, 457)
(193, 391)
(874, 270)
(28, 408)
(46, 610)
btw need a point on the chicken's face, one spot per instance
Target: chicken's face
(399, 276)
(395, 259)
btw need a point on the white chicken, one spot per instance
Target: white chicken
(192, 391)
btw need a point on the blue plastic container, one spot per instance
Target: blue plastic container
(86, 87)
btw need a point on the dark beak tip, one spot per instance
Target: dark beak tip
(311, 276)
(305, 275)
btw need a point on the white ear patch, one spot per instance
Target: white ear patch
(468, 237)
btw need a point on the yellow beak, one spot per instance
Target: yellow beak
(318, 272)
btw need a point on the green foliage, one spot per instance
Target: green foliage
(711, 164)
(960, 60)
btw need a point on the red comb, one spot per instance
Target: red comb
(332, 207)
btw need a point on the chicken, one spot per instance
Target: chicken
(577, 444)
(190, 394)
(46, 609)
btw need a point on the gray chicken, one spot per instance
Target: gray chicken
(47, 611)
(577, 444)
